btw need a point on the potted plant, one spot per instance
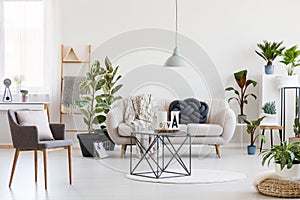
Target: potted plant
(251, 127)
(241, 95)
(286, 157)
(269, 52)
(24, 95)
(291, 60)
(269, 111)
(101, 87)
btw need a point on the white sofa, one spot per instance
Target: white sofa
(218, 129)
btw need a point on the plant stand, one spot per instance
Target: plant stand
(271, 128)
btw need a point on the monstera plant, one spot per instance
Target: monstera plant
(240, 94)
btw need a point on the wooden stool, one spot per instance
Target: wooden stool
(271, 128)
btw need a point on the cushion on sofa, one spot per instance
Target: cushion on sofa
(191, 110)
(209, 130)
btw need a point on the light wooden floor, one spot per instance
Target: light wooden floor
(105, 179)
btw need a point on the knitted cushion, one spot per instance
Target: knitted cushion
(191, 110)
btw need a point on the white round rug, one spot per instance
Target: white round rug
(198, 176)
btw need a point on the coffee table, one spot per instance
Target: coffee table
(154, 155)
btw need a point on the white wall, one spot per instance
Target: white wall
(228, 31)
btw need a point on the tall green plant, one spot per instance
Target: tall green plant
(241, 95)
(101, 86)
(270, 50)
(290, 59)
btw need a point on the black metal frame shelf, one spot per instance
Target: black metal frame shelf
(282, 105)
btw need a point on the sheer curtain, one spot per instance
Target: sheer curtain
(23, 29)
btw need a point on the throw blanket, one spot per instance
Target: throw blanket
(139, 114)
(191, 110)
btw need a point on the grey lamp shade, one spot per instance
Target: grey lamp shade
(176, 60)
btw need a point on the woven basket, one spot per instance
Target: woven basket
(279, 188)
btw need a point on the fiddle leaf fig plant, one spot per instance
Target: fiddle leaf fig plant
(240, 94)
(101, 87)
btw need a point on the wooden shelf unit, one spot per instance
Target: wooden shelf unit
(69, 56)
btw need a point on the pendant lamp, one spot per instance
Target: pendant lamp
(176, 60)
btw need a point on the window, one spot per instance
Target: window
(24, 42)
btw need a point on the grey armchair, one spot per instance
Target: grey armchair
(25, 138)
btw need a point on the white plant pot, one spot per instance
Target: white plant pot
(288, 174)
(287, 81)
(269, 120)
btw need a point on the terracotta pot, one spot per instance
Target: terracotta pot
(24, 98)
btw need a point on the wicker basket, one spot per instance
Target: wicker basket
(279, 188)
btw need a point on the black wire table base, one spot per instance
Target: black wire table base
(154, 155)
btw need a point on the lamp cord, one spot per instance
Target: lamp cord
(176, 18)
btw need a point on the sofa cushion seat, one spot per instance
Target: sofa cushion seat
(208, 130)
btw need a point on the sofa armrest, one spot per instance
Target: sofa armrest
(113, 118)
(227, 120)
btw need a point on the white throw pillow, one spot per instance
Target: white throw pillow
(36, 118)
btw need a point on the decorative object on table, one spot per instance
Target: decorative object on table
(24, 95)
(251, 127)
(162, 118)
(7, 94)
(269, 111)
(291, 59)
(286, 158)
(241, 80)
(174, 120)
(176, 60)
(191, 110)
(269, 52)
(101, 86)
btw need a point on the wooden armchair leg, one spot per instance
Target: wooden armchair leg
(123, 150)
(70, 163)
(14, 165)
(45, 167)
(218, 150)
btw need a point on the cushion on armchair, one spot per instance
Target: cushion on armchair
(36, 118)
(191, 110)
